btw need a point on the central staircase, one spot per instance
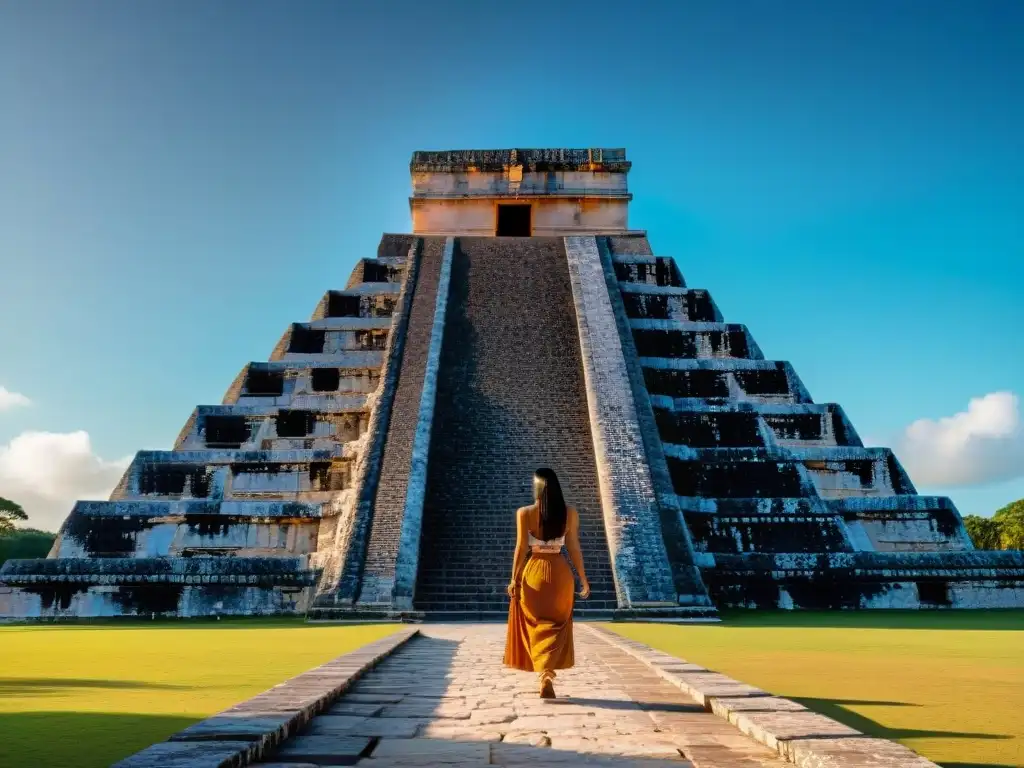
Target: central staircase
(510, 398)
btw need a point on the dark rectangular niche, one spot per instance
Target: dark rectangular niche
(709, 430)
(652, 343)
(262, 383)
(691, 383)
(226, 431)
(763, 381)
(796, 426)
(308, 341)
(646, 306)
(658, 343)
(811, 534)
(733, 342)
(371, 340)
(735, 480)
(699, 307)
(174, 480)
(325, 379)
(295, 423)
(343, 305)
(325, 476)
(641, 272)
(933, 592)
(378, 273)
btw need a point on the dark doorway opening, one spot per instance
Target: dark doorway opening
(513, 221)
(933, 593)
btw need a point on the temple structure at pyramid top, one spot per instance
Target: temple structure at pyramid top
(520, 192)
(372, 465)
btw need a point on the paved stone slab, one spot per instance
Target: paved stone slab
(374, 727)
(323, 750)
(432, 751)
(444, 699)
(355, 708)
(239, 727)
(451, 703)
(184, 754)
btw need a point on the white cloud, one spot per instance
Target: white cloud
(983, 444)
(10, 400)
(47, 472)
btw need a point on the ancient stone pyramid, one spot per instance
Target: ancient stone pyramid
(372, 467)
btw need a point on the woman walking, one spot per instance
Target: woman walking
(539, 635)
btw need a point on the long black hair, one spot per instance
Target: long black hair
(547, 492)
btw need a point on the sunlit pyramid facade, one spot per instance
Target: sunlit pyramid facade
(372, 466)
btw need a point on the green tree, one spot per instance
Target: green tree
(25, 542)
(1011, 525)
(9, 512)
(984, 531)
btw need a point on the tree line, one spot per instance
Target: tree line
(20, 542)
(1004, 530)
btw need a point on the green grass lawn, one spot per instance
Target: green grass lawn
(87, 695)
(948, 685)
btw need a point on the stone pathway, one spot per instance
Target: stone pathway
(444, 699)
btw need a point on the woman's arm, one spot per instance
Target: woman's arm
(519, 558)
(572, 544)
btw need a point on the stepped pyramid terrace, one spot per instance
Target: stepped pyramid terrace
(372, 466)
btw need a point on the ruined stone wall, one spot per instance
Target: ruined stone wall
(511, 397)
(258, 493)
(783, 504)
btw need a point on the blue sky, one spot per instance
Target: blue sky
(180, 180)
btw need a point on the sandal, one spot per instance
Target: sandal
(547, 688)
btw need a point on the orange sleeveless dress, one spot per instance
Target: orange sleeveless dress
(539, 635)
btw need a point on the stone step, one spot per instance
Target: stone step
(460, 591)
(471, 604)
(500, 574)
